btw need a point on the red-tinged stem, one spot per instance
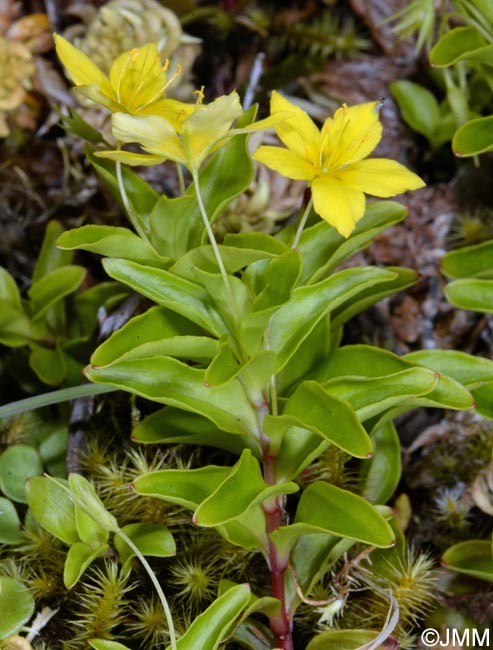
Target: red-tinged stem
(274, 511)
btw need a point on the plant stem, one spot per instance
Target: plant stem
(155, 582)
(274, 514)
(181, 179)
(210, 234)
(301, 224)
(134, 219)
(274, 517)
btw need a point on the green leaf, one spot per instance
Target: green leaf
(297, 447)
(325, 509)
(176, 224)
(203, 257)
(330, 417)
(311, 354)
(17, 464)
(483, 400)
(144, 333)
(48, 363)
(51, 506)
(112, 241)
(297, 317)
(50, 258)
(340, 640)
(323, 248)
(281, 276)
(473, 558)
(470, 261)
(76, 125)
(455, 45)
(368, 296)
(168, 381)
(15, 328)
(177, 294)
(241, 489)
(184, 487)
(52, 287)
(382, 473)
(371, 396)
(227, 174)
(9, 291)
(86, 498)
(173, 425)
(151, 539)
(89, 531)
(419, 108)
(223, 367)
(16, 605)
(141, 196)
(10, 525)
(471, 294)
(211, 627)
(339, 512)
(474, 137)
(79, 557)
(471, 371)
(103, 644)
(368, 361)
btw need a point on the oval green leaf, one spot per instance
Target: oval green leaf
(17, 464)
(473, 558)
(474, 137)
(16, 606)
(52, 507)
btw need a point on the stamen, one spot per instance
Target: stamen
(200, 95)
(164, 86)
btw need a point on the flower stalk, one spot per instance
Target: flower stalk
(210, 234)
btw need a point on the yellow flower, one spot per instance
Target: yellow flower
(331, 160)
(136, 83)
(204, 131)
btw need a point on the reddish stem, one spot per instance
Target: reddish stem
(281, 625)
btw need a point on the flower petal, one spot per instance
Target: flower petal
(286, 162)
(298, 131)
(130, 158)
(351, 134)
(137, 77)
(337, 203)
(174, 111)
(207, 125)
(153, 133)
(379, 177)
(79, 66)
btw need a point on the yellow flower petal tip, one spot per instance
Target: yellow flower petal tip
(332, 159)
(136, 84)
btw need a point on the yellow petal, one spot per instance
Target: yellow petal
(338, 204)
(93, 92)
(379, 177)
(174, 111)
(207, 125)
(131, 158)
(298, 131)
(153, 133)
(351, 134)
(286, 162)
(137, 78)
(79, 66)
